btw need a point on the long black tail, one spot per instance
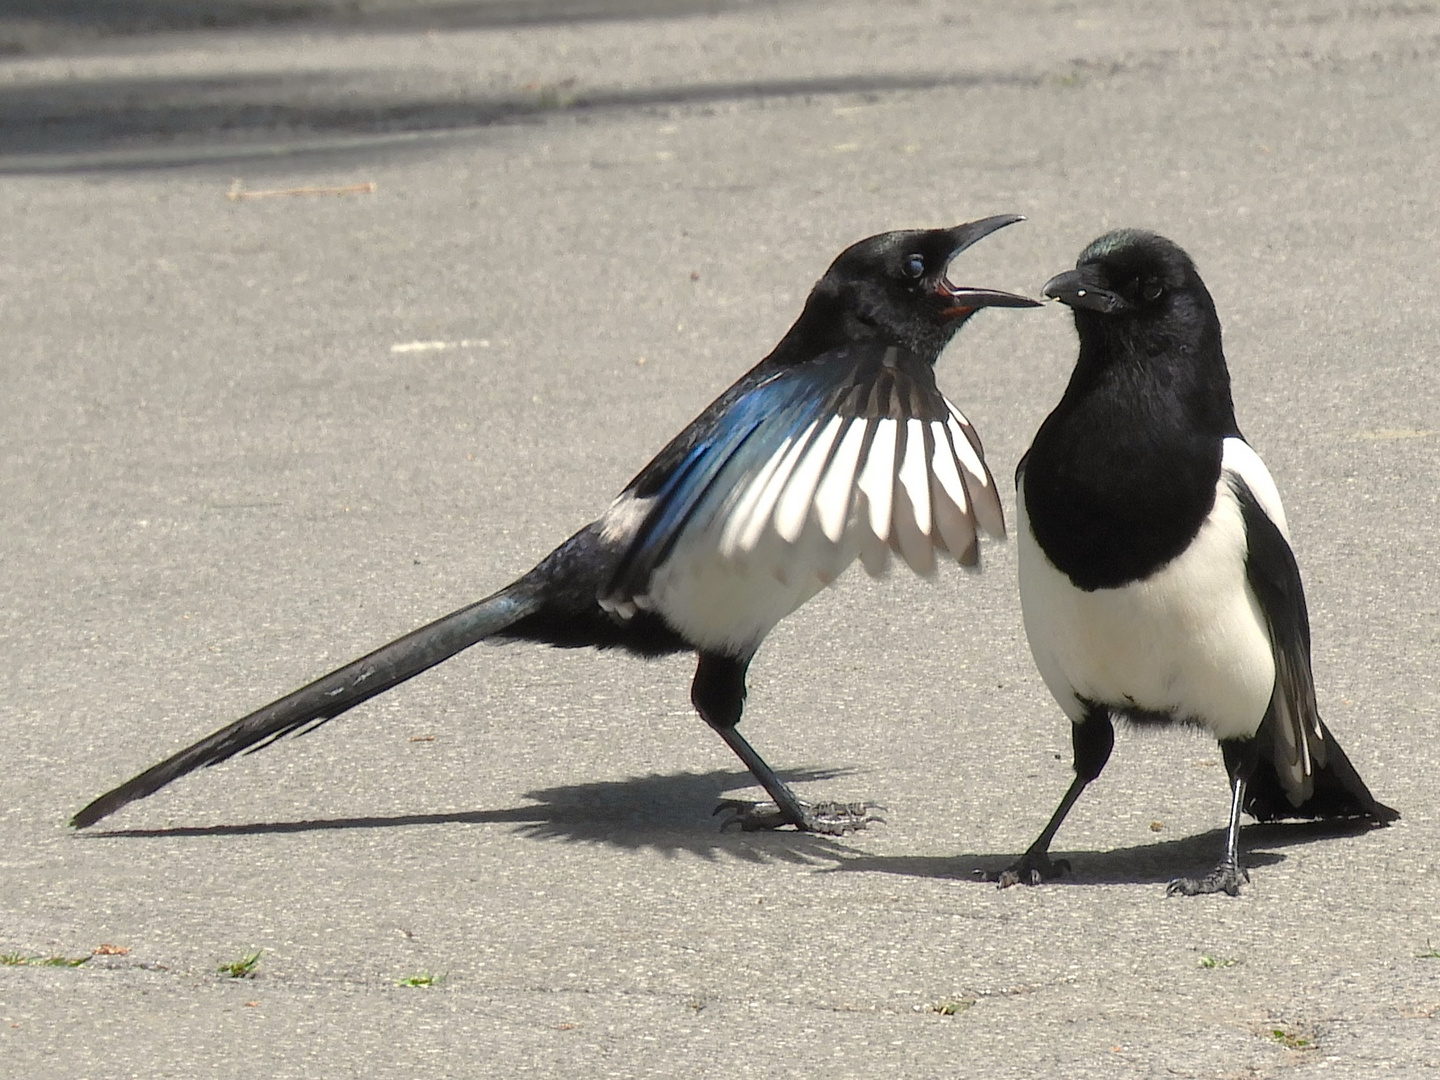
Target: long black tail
(1338, 790)
(328, 697)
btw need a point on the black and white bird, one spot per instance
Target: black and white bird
(1156, 575)
(836, 446)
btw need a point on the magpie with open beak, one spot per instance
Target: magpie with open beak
(836, 446)
(1156, 576)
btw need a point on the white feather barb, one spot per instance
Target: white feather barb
(793, 508)
(877, 477)
(988, 512)
(953, 522)
(836, 493)
(752, 515)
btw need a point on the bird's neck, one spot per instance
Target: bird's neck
(827, 323)
(1180, 387)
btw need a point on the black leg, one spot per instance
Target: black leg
(718, 694)
(1241, 757)
(1092, 740)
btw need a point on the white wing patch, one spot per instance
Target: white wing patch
(862, 486)
(982, 486)
(1237, 457)
(836, 493)
(877, 477)
(794, 504)
(757, 504)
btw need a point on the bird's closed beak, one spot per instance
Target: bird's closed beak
(1072, 289)
(964, 298)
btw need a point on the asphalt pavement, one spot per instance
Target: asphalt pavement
(323, 319)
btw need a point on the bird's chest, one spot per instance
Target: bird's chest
(1118, 488)
(1187, 641)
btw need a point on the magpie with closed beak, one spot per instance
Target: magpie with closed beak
(1157, 581)
(836, 446)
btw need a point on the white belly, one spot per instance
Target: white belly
(1189, 641)
(726, 605)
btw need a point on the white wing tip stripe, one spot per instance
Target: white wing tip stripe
(752, 528)
(877, 477)
(947, 472)
(848, 486)
(836, 493)
(965, 454)
(914, 475)
(874, 553)
(739, 517)
(984, 498)
(793, 507)
(970, 456)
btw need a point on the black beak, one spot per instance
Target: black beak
(1072, 289)
(964, 298)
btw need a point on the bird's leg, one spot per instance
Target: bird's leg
(833, 818)
(1036, 866)
(718, 693)
(1241, 757)
(1092, 739)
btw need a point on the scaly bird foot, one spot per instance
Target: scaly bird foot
(1226, 878)
(1032, 868)
(828, 818)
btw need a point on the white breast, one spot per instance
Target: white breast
(1190, 640)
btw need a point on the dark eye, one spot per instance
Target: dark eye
(914, 265)
(1151, 290)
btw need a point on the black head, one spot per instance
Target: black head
(1136, 289)
(896, 284)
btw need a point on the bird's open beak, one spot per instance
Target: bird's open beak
(1072, 289)
(963, 298)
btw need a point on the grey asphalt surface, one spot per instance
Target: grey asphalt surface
(247, 440)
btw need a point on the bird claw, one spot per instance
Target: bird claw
(1226, 878)
(826, 818)
(1029, 869)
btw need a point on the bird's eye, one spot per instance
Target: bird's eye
(914, 265)
(1151, 290)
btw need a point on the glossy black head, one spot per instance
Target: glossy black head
(1133, 291)
(896, 285)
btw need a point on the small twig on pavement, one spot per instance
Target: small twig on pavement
(237, 192)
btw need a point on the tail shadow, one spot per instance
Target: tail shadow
(670, 813)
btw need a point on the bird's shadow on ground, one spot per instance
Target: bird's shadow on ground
(670, 813)
(1142, 864)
